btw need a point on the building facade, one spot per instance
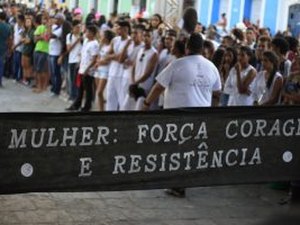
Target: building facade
(277, 15)
(105, 7)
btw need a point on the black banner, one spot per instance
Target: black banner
(148, 150)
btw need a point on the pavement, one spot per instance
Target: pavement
(226, 205)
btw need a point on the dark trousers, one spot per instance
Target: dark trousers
(55, 74)
(8, 66)
(17, 65)
(2, 61)
(71, 78)
(87, 85)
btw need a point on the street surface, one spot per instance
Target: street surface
(229, 205)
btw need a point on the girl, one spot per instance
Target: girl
(27, 51)
(240, 80)
(230, 59)
(157, 27)
(269, 82)
(102, 65)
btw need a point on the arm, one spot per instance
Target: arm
(124, 54)
(275, 92)
(111, 55)
(150, 68)
(70, 47)
(243, 85)
(94, 60)
(156, 90)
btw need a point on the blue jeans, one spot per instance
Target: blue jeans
(224, 98)
(55, 74)
(17, 65)
(1, 68)
(71, 78)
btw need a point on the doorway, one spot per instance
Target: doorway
(294, 20)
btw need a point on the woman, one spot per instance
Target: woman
(102, 64)
(269, 82)
(230, 59)
(157, 27)
(27, 51)
(74, 46)
(240, 80)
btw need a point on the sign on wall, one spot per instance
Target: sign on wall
(148, 150)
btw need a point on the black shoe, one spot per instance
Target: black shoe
(72, 108)
(177, 192)
(84, 109)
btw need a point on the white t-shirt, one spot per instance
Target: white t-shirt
(165, 57)
(116, 69)
(235, 98)
(260, 91)
(89, 50)
(102, 71)
(143, 59)
(74, 55)
(18, 31)
(189, 82)
(55, 45)
(132, 53)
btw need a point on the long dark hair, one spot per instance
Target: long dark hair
(272, 57)
(234, 53)
(218, 57)
(190, 20)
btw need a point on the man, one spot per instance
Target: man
(250, 38)
(128, 57)
(19, 30)
(115, 94)
(85, 80)
(4, 38)
(143, 71)
(263, 44)
(188, 82)
(55, 50)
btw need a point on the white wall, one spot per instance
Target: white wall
(283, 13)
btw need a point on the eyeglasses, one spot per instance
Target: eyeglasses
(142, 57)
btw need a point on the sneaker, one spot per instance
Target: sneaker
(72, 108)
(177, 192)
(84, 109)
(53, 95)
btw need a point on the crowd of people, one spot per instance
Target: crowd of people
(114, 64)
(128, 63)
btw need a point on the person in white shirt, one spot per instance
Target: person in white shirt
(19, 31)
(74, 46)
(102, 65)
(129, 56)
(55, 49)
(269, 82)
(115, 94)
(143, 71)
(189, 82)
(165, 56)
(85, 78)
(239, 84)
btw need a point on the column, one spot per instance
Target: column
(247, 9)
(124, 6)
(237, 11)
(205, 12)
(103, 8)
(215, 12)
(270, 18)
